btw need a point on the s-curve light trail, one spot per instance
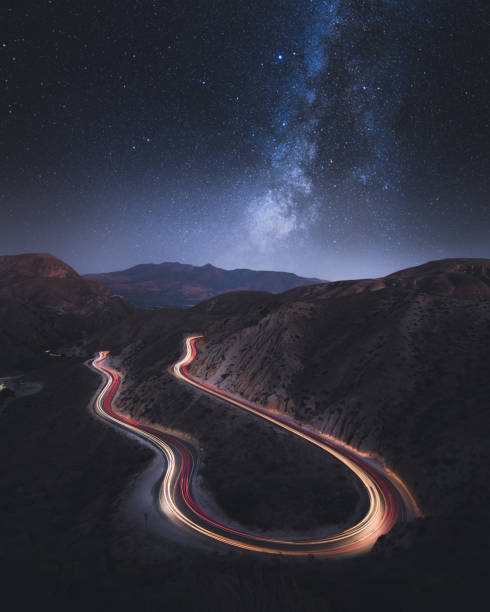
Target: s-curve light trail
(389, 500)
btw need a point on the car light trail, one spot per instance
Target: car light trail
(389, 500)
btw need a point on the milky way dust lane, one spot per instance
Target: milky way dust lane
(389, 500)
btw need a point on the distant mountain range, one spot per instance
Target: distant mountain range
(183, 285)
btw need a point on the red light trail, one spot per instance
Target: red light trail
(389, 498)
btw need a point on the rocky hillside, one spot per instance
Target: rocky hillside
(398, 365)
(44, 302)
(182, 285)
(246, 464)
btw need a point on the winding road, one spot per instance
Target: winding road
(389, 499)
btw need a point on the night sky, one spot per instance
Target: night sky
(337, 139)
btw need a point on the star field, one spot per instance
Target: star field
(329, 138)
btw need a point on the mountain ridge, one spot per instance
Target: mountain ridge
(184, 285)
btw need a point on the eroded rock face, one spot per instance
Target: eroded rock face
(398, 365)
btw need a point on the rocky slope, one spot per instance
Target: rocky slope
(398, 366)
(175, 284)
(44, 302)
(247, 465)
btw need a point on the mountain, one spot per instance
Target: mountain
(44, 302)
(396, 366)
(460, 278)
(183, 285)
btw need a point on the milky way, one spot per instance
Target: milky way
(336, 139)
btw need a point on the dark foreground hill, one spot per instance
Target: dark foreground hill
(44, 302)
(182, 285)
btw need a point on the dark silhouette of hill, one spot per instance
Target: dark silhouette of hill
(44, 302)
(176, 284)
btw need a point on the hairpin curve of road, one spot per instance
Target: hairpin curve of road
(389, 499)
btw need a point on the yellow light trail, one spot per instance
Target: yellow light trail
(388, 496)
